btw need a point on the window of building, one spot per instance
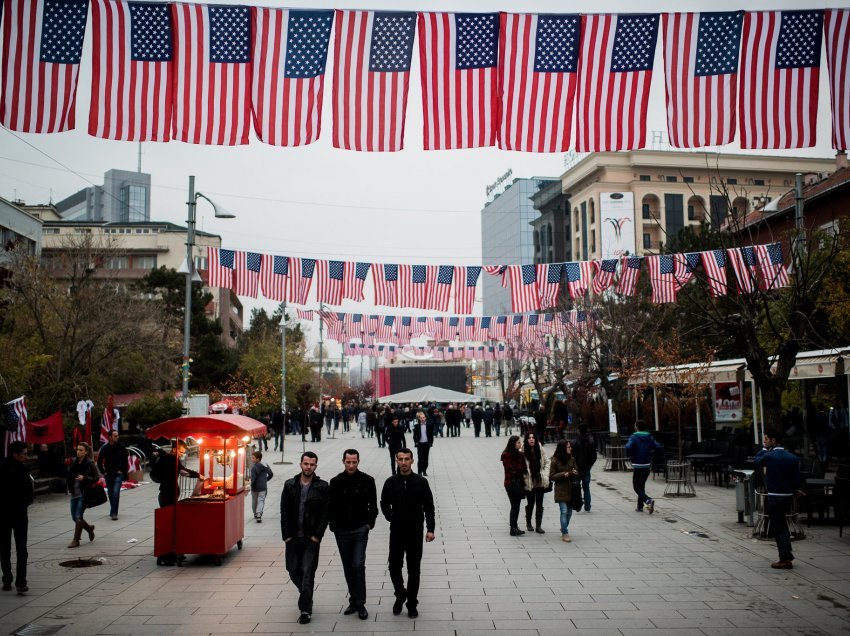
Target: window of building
(592, 240)
(671, 179)
(83, 230)
(644, 177)
(200, 262)
(144, 262)
(758, 182)
(691, 213)
(688, 179)
(51, 230)
(731, 181)
(647, 242)
(645, 211)
(133, 203)
(116, 262)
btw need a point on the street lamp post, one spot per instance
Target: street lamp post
(283, 379)
(220, 213)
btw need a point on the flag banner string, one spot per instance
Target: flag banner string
(215, 74)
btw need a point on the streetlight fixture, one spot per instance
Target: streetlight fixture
(220, 213)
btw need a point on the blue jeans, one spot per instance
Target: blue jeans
(566, 515)
(113, 491)
(78, 507)
(352, 553)
(777, 508)
(585, 489)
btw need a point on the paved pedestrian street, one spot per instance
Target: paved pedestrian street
(624, 573)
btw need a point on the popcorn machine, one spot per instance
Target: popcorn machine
(209, 514)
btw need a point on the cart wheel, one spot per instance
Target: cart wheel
(160, 561)
(217, 559)
(239, 544)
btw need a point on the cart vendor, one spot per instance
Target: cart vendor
(166, 471)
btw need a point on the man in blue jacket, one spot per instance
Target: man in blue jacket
(639, 450)
(781, 480)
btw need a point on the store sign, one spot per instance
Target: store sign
(617, 219)
(491, 189)
(728, 402)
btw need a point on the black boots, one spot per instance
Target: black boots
(516, 532)
(528, 525)
(538, 518)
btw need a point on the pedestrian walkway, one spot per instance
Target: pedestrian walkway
(624, 573)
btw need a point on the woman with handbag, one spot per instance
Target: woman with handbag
(82, 477)
(536, 482)
(513, 462)
(564, 472)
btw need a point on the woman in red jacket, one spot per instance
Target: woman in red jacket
(515, 468)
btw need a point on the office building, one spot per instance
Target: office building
(124, 197)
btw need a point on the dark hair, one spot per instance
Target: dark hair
(404, 451)
(16, 447)
(309, 454)
(350, 451)
(582, 429)
(774, 433)
(640, 425)
(531, 452)
(561, 453)
(511, 447)
(257, 454)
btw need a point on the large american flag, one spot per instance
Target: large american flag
(837, 29)
(441, 290)
(331, 277)
(274, 277)
(466, 282)
(15, 416)
(615, 71)
(684, 266)
(743, 261)
(549, 283)
(458, 54)
(108, 423)
(355, 276)
(290, 49)
(248, 265)
(701, 64)
(304, 314)
(221, 265)
(385, 330)
(714, 265)
(42, 45)
(372, 51)
(604, 273)
(131, 94)
(538, 60)
(577, 274)
(212, 67)
(524, 296)
(498, 328)
(301, 279)
(385, 279)
(780, 68)
(414, 285)
(772, 266)
(662, 277)
(629, 274)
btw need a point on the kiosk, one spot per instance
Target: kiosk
(209, 514)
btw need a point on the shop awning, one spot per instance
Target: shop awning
(207, 425)
(823, 363)
(426, 394)
(717, 371)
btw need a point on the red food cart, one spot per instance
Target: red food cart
(209, 514)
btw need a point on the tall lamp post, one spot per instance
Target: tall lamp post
(283, 378)
(220, 213)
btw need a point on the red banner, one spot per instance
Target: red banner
(46, 431)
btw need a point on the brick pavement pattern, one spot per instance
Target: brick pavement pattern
(623, 574)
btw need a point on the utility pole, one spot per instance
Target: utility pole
(283, 379)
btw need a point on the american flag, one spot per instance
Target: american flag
(131, 94)
(331, 275)
(453, 328)
(15, 417)
(385, 331)
(302, 279)
(458, 54)
(467, 329)
(413, 285)
(498, 330)
(389, 352)
(772, 266)
(743, 261)
(439, 327)
(274, 277)
(385, 278)
(837, 29)
(466, 281)
(615, 71)
(221, 264)
(577, 275)
(532, 325)
(290, 49)
(629, 274)
(780, 69)
(549, 283)
(701, 76)
(441, 290)
(548, 324)
(372, 323)
(418, 326)
(304, 314)
(714, 264)
(484, 327)
(515, 329)
(108, 423)
(355, 276)
(498, 270)
(524, 295)
(662, 276)
(538, 59)
(372, 51)
(605, 271)
(42, 45)
(248, 265)
(684, 266)
(212, 65)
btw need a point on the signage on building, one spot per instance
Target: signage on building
(728, 404)
(498, 183)
(617, 223)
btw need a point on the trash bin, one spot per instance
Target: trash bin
(744, 495)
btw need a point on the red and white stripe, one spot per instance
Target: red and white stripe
(328, 290)
(212, 101)
(273, 285)
(218, 276)
(247, 282)
(837, 29)
(386, 292)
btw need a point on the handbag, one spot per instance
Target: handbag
(93, 496)
(550, 487)
(576, 499)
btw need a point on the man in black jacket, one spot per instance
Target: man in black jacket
(112, 460)
(352, 510)
(394, 439)
(406, 501)
(477, 417)
(303, 520)
(584, 451)
(18, 493)
(423, 439)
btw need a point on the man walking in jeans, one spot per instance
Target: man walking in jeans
(112, 459)
(303, 520)
(584, 451)
(406, 502)
(781, 480)
(352, 510)
(639, 450)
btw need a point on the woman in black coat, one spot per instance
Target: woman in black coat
(82, 475)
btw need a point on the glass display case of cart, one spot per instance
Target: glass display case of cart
(223, 463)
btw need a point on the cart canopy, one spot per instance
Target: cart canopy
(208, 425)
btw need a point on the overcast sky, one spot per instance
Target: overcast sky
(315, 201)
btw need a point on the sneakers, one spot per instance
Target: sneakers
(304, 618)
(783, 564)
(650, 506)
(565, 538)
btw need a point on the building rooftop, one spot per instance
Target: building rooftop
(163, 226)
